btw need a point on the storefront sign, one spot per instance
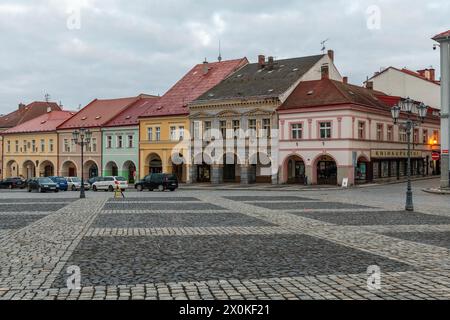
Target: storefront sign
(395, 154)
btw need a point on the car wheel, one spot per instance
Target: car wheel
(11, 187)
(39, 190)
(161, 188)
(111, 189)
(74, 188)
(140, 188)
(29, 189)
(172, 190)
(94, 188)
(56, 191)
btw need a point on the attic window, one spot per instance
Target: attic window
(84, 118)
(97, 117)
(42, 122)
(352, 93)
(160, 108)
(128, 117)
(211, 95)
(310, 93)
(270, 90)
(195, 73)
(239, 75)
(295, 69)
(270, 71)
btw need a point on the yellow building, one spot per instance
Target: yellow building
(166, 123)
(31, 149)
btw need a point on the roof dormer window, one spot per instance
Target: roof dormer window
(84, 118)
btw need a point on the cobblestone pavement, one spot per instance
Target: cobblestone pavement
(225, 245)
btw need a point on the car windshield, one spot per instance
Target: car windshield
(61, 180)
(45, 180)
(121, 179)
(76, 179)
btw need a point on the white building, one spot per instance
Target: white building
(419, 86)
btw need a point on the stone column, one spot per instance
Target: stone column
(444, 40)
(245, 171)
(192, 174)
(216, 174)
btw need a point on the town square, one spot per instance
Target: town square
(224, 152)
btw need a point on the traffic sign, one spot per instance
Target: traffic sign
(435, 156)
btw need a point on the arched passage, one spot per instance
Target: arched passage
(12, 169)
(46, 169)
(129, 171)
(154, 163)
(90, 169)
(29, 169)
(294, 170)
(229, 167)
(111, 169)
(69, 169)
(326, 169)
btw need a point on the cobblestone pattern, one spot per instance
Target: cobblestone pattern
(32, 207)
(17, 221)
(32, 257)
(440, 239)
(430, 285)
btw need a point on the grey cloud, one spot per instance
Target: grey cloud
(127, 47)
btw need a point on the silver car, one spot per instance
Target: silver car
(75, 184)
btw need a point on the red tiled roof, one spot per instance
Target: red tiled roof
(26, 113)
(327, 92)
(443, 35)
(97, 113)
(192, 86)
(408, 72)
(129, 117)
(45, 123)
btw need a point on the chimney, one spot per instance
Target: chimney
(205, 67)
(261, 61)
(345, 80)
(270, 63)
(432, 74)
(331, 55)
(21, 106)
(325, 71)
(49, 109)
(369, 85)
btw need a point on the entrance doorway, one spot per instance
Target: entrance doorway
(204, 173)
(296, 171)
(326, 171)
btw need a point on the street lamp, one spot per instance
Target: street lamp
(409, 107)
(82, 138)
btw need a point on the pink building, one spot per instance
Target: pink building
(331, 130)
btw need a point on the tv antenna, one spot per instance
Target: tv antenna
(324, 48)
(47, 97)
(220, 52)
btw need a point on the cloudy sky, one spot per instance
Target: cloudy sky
(78, 50)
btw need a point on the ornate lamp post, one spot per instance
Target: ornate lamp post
(410, 108)
(82, 138)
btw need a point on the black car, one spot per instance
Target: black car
(42, 185)
(12, 183)
(158, 181)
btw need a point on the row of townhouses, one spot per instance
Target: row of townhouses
(274, 121)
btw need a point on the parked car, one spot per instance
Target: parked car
(12, 183)
(61, 183)
(160, 181)
(42, 185)
(74, 184)
(110, 184)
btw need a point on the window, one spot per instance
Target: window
(236, 127)
(94, 144)
(436, 135)
(42, 145)
(17, 146)
(158, 134)
(361, 130)
(181, 133)
(380, 133)
(130, 141)
(33, 146)
(25, 146)
(8, 148)
(403, 137)
(50, 145)
(66, 145)
(196, 127)
(390, 133)
(252, 127)
(416, 136)
(109, 142)
(173, 133)
(223, 129)
(325, 130)
(266, 127)
(119, 142)
(207, 130)
(150, 134)
(297, 131)
(425, 136)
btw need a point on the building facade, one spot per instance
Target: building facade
(93, 117)
(120, 147)
(31, 149)
(245, 104)
(23, 114)
(164, 126)
(331, 131)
